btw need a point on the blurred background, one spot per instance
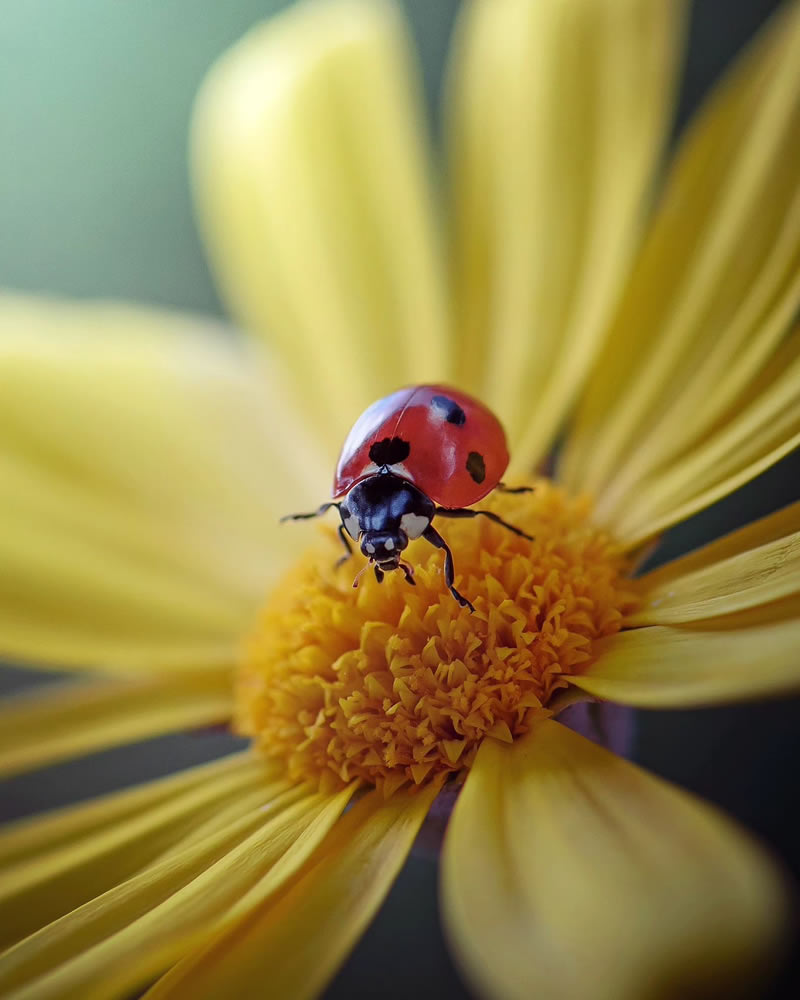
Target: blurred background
(95, 99)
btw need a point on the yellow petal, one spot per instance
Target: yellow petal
(75, 719)
(145, 459)
(636, 535)
(312, 184)
(118, 942)
(297, 941)
(715, 288)
(743, 656)
(761, 431)
(240, 804)
(751, 578)
(570, 873)
(60, 876)
(557, 112)
(767, 529)
(29, 837)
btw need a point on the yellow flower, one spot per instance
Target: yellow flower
(145, 460)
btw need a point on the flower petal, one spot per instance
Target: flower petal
(28, 838)
(60, 876)
(744, 655)
(716, 287)
(145, 460)
(635, 535)
(755, 576)
(119, 941)
(767, 529)
(762, 430)
(76, 719)
(557, 114)
(313, 187)
(298, 940)
(571, 873)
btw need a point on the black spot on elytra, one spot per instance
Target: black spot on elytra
(476, 467)
(453, 413)
(389, 451)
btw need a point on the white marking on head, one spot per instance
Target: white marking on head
(389, 544)
(352, 526)
(401, 471)
(414, 524)
(370, 548)
(398, 469)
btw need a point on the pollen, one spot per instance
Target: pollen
(394, 685)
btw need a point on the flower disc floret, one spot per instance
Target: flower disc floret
(393, 684)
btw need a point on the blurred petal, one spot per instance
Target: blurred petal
(298, 941)
(636, 534)
(764, 427)
(570, 873)
(767, 529)
(145, 460)
(113, 945)
(98, 846)
(70, 720)
(744, 655)
(312, 180)
(29, 838)
(556, 120)
(756, 576)
(716, 287)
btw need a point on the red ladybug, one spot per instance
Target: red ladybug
(422, 451)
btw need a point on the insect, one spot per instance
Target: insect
(422, 452)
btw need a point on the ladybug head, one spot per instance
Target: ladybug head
(382, 512)
(384, 547)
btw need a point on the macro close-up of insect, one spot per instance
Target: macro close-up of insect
(421, 452)
(502, 298)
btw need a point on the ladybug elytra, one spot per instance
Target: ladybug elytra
(421, 452)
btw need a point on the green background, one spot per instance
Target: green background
(95, 97)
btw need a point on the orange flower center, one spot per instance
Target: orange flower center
(394, 684)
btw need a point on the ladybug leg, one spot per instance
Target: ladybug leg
(314, 513)
(409, 573)
(318, 513)
(465, 512)
(378, 574)
(348, 548)
(433, 536)
(514, 489)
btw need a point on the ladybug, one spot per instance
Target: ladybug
(422, 451)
